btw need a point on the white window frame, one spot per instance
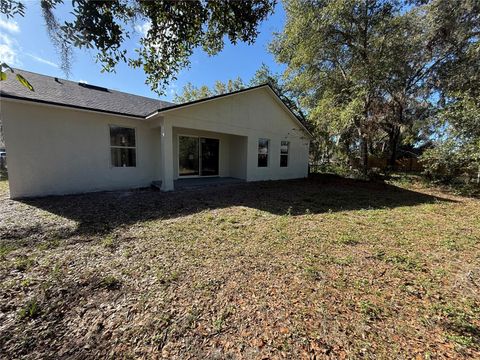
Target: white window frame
(287, 154)
(122, 147)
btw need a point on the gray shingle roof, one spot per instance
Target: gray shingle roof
(53, 90)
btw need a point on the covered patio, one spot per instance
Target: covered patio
(195, 183)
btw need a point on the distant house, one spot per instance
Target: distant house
(67, 137)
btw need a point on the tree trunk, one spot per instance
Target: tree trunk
(394, 132)
(364, 155)
(394, 137)
(363, 137)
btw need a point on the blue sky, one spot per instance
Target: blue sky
(25, 44)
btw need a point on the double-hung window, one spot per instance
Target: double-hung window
(263, 152)
(122, 146)
(284, 145)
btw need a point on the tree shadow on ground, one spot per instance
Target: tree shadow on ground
(102, 212)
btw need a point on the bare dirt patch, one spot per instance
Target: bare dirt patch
(317, 268)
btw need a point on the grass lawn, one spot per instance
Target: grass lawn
(318, 268)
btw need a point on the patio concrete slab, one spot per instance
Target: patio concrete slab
(195, 183)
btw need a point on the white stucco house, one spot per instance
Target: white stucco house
(67, 137)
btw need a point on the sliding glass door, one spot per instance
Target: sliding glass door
(198, 156)
(188, 156)
(209, 157)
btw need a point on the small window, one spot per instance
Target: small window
(263, 152)
(284, 153)
(122, 146)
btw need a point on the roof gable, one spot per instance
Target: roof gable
(266, 87)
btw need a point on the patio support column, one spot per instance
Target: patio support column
(166, 154)
(252, 154)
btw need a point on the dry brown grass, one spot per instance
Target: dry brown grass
(319, 268)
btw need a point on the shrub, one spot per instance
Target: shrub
(449, 161)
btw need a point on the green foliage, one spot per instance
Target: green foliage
(335, 59)
(460, 324)
(191, 93)
(5, 249)
(175, 29)
(31, 310)
(108, 242)
(219, 321)
(457, 153)
(369, 73)
(23, 263)
(403, 262)
(265, 76)
(447, 160)
(49, 244)
(348, 239)
(3, 76)
(455, 30)
(312, 272)
(370, 311)
(24, 82)
(167, 277)
(10, 8)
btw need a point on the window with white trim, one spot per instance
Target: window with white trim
(123, 146)
(263, 152)
(284, 147)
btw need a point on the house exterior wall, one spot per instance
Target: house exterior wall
(238, 156)
(54, 151)
(251, 115)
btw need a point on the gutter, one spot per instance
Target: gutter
(59, 105)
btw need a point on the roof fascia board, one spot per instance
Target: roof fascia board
(10, 98)
(290, 112)
(153, 114)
